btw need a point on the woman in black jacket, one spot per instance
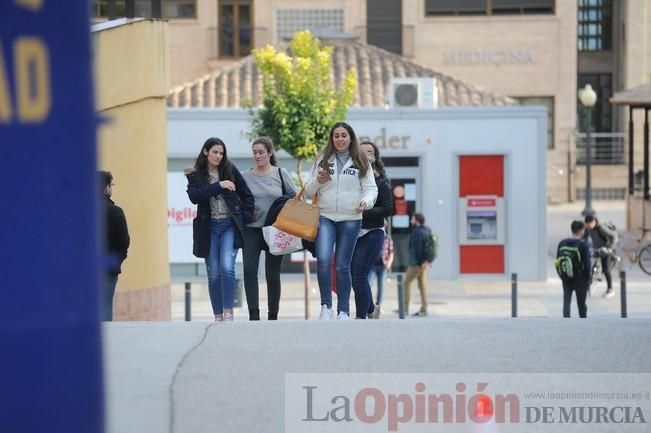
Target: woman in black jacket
(371, 236)
(224, 206)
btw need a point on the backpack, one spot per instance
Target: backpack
(430, 246)
(568, 262)
(610, 231)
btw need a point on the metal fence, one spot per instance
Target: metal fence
(606, 148)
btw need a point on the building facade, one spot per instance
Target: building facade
(538, 52)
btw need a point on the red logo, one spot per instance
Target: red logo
(482, 202)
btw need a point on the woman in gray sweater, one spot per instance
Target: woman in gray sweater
(264, 181)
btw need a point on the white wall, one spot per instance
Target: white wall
(438, 137)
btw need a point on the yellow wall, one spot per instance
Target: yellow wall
(132, 80)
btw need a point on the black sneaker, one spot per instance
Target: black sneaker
(421, 313)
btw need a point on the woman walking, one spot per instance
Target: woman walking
(371, 236)
(343, 178)
(224, 205)
(267, 182)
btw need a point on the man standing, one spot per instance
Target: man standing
(599, 236)
(117, 244)
(420, 258)
(573, 266)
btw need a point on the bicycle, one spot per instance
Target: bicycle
(597, 255)
(637, 250)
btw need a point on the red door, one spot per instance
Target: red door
(481, 175)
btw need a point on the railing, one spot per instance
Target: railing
(606, 148)
(259, 37)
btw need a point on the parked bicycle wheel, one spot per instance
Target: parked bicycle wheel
(625, 253)
(645, 259)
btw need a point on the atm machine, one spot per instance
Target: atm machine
(481, 234)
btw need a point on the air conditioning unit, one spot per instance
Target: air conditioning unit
(414, 92)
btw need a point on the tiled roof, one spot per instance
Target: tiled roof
(232, 85)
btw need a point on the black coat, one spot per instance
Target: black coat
(374, 218)
(117, 236)
(240, 203)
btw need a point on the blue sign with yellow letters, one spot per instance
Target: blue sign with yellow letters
(50, 368)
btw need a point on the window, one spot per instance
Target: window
(456, 7)
(235, 28)
(170, 8)
(488, 7)
(595, 27)
(547, 102)
(289, 21)
(602, 111)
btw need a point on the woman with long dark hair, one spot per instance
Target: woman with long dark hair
(224, 205)
(343, 178)
(267, 182)
(371, 237)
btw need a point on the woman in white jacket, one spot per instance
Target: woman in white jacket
(343, 178)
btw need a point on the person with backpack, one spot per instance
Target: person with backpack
(600, 236)
(421, 255)
(573, 266)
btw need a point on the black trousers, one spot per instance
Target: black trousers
(253, 245)
(606, 263)
(581, 290)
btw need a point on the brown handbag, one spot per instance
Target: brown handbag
(299, 218)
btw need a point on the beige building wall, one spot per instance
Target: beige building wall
(132, 81)
(515, 55)
(194, 42)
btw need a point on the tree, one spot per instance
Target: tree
(299, 103)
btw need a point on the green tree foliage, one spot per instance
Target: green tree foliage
(299, 102)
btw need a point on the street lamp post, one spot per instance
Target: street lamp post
(588, 98)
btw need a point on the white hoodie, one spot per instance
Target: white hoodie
(339, 197)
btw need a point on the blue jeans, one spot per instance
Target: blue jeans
(380, 272)
(367, 250)
(220, 264)
(108, 292)
(344, 235)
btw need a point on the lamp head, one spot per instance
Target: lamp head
(587, 96)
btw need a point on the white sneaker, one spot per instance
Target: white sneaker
(376, 312)
(343, 316)
(326, 313)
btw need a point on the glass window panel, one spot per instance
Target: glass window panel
(179, 8)
(245, 30)
(455, 7)
(226, 29)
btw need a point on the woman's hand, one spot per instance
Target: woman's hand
(361, 207)
(323, 177)
(227, 184)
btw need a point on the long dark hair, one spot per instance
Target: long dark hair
(359, 158)
(378, 165)
(269, 146)
(225, 168)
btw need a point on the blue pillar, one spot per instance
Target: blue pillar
(51, 365)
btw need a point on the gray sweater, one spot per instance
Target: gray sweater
(265, 190)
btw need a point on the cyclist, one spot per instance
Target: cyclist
(602, 242)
